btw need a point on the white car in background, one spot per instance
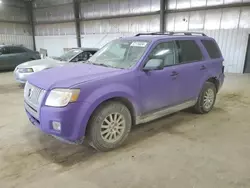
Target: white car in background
(78, 55)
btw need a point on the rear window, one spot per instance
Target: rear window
(188, 51)
(212, 49)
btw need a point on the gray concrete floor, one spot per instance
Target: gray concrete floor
(182, 150)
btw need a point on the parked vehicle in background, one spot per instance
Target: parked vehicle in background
(11, 56)
(129, 81)
(79, 55)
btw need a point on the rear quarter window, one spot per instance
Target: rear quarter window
(212, 49)
(188, 51)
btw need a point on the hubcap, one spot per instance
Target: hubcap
(113, 127)
(208, 98)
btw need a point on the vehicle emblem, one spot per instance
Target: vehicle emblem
(30, 92)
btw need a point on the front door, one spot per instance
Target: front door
(159, 87)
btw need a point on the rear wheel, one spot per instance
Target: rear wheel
(109, 126)
(206, 99)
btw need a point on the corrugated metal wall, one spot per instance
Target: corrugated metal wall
(14, 33)
(229, 26)
(54, 36)
(96, 33)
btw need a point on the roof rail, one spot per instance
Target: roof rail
(172, 33)
(185, 33)
(155, 33)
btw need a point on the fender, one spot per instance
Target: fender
(104, 93)
(205, 77)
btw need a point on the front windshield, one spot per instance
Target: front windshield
(121, 54)
(69, 55)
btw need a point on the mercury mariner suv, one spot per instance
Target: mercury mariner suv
(129, 81)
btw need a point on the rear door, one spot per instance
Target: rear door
(190, 70)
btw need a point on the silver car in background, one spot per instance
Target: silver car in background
(77, 55)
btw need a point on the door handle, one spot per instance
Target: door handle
(174, 73)
(203, 67)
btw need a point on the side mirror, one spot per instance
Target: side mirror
(154, 64)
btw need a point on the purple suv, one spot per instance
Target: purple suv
(129, 81)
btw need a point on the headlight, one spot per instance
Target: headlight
(25, 70)
(62, 97)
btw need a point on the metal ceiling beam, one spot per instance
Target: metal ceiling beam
(233, 5)
(77, 22)
(29, 8)
(162, 15)
(121, 16)
(102, 18)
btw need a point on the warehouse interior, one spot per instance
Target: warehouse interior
(180, 150)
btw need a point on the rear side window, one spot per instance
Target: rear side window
(15, 50)
(212, 49)
(188, 51)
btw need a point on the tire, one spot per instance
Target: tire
(102, 124)
(207, 93)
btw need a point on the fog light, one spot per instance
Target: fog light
(56, 126)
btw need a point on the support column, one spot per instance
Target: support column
(77, 22)
(162, 15)
(29, 7)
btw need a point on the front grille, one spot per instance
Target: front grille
(33, 94)
(33, 97)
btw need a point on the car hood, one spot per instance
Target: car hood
(69, 75)
(40, 62)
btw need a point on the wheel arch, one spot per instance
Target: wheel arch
(215, 81)
(122, 99)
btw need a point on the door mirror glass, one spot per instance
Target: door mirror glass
(154, 64)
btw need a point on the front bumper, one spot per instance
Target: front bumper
(21, 77)
(73, 119)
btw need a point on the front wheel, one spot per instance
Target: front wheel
(206, 99)
(109, 126)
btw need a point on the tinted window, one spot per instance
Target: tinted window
(4, 50)
(188, 51)
(166, 52)
(211, 48)
(84, 56)
(15, 50)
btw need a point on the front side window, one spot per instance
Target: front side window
(69, 55)
(4, 50)
(16, 50)
(166, 52)
(188, 51)
(121, 54)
